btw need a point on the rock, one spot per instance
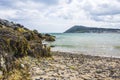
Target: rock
(41, 78)
(1, 73)
(37, 79)
(19, 25)
(40, 35)
(52, 46)
(50, 38)
(22, 66)
(28, 35)
(35, 31)
(2, 63)
(53, 79)
(47, 35)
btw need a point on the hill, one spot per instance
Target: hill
(84, 29)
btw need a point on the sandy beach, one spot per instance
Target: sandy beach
(67, 66)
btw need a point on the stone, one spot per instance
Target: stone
(50, 38)
(1, 73)
(53, 79)
(22, 65)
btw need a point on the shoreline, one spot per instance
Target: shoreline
(78, 53)
(67, 66)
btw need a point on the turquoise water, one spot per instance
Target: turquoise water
(98, 44)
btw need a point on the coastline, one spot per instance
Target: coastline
(67, 66)
(84, 54)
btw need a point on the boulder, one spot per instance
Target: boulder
(49, 37)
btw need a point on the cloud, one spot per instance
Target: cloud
(48, 2)
(98, 7)
(59, 15)
(103, 10)
(8, 13)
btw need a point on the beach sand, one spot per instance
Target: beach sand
(67, 66)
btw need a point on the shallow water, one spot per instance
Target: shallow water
(98, 44)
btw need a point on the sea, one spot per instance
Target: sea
(96, 44)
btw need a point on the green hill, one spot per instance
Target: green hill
(84, 29)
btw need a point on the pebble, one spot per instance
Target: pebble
(22, 65)
(86, 68)
(53, 79)
(1, 73)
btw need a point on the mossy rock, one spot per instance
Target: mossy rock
(19, 29)
(35, 31)
(30, 35)
(13, 43)
(11, 46)
(50, 38)
(39, 50)
(17, 42)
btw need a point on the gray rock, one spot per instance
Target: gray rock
(1, 73)
(2, 63)
(53, 79)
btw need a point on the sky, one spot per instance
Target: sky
(59, 15)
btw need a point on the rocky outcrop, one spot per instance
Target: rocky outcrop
(16, 41)
(49, 37)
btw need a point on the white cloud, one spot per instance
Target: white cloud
(7, 13)
(59, 15)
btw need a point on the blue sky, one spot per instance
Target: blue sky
(59, 15)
